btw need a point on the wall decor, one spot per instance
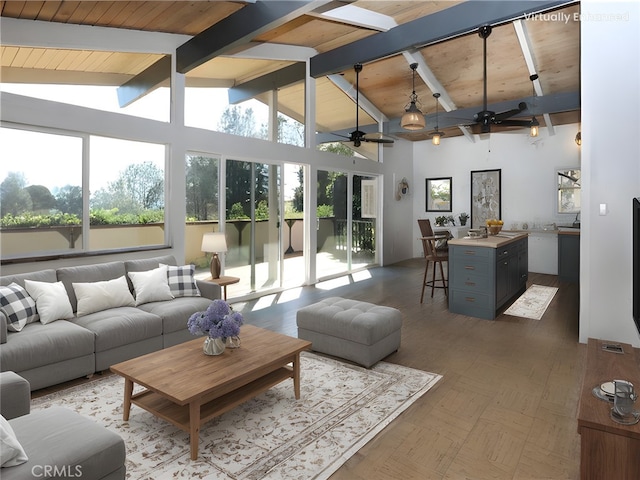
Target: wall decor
(438, 194)
(568, 181)
(485, 196)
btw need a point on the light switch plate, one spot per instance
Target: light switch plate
(603, 209)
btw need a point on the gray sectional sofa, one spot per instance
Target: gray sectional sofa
(65, 349)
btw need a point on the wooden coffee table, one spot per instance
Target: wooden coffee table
(188, 388)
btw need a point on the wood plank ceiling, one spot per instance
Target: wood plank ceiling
(455, 64)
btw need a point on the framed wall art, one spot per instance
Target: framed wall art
(438, 194)
(485, 196)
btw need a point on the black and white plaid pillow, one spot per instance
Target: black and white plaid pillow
(182, 282)
(17, 306)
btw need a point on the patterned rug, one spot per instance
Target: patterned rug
(532, 303)
(273, 436)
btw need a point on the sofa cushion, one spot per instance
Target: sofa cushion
(88, 273)
(51, 300)
(38, 345)
(120, 326)
(17, 306)
(11, 452)
(151, 286)
(182, 282)
(96, 296)
(59, 437)
(48, 275)
(176, 312)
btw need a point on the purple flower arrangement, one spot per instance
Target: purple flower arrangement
(217, 321)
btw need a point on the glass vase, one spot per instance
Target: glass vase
(233, 342)
(213, 346)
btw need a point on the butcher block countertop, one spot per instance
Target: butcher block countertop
(492, 241)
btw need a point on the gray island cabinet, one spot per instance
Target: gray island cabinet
(487, 273)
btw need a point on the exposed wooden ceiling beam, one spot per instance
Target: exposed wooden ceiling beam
(272, 81)
(527, 52)
(145, 82)
(445, 24)
(240, 28)
(359, 17)
(429, 78)
(364, 103)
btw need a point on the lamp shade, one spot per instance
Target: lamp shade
(214, 242)
(413, 119)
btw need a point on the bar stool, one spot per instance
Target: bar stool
(432, 254)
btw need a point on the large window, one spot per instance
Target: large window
(41, 206)
(46, 209)
(202, 204)
(126, 182)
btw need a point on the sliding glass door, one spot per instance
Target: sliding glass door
(252, 225)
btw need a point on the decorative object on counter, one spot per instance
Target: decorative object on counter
(623, 399)
(439, 194)
(443, 221)
(525, 226)
(463, 217)
(494, 226)
(485, 196)
(219, 322)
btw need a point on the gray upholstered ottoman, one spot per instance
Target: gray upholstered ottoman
(358, 331)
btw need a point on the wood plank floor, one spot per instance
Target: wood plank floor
(506, 407)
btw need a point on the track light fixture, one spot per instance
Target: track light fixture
(436, 135)
(413, 119)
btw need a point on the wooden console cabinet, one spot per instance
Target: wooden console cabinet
(608, 449)
(484, 274)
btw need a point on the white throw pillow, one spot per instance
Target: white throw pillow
(151, 286)
(52, 301)
(98, 296)
(11, 452)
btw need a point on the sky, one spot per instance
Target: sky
(55, 160)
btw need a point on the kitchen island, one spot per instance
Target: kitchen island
(486, 274)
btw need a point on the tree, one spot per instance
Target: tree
(139, 187)
(202, 188)
(239, 121)
(14, 199)
(69, 199)
(41, 199)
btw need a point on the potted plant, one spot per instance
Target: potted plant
(463, 217)
(220, 324)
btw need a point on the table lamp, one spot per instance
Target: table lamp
(214, 243)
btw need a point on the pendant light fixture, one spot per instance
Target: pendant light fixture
(436, 135)
(534, 121)
(413, 119)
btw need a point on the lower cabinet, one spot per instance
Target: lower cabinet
(568, 257)
(483, 279)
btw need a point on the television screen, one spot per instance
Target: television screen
(636, 262)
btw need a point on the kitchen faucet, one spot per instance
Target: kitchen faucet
(576, 222)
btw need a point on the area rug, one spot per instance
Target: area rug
(273, 436)
(532, 303)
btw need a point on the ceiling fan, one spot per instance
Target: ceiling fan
(358, 136)
(485, 119)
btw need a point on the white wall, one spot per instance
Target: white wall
(528, 174)
(610, 69)
(398, 215)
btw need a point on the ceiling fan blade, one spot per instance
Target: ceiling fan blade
(377, 137)
(499, 117)
(514, 123)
